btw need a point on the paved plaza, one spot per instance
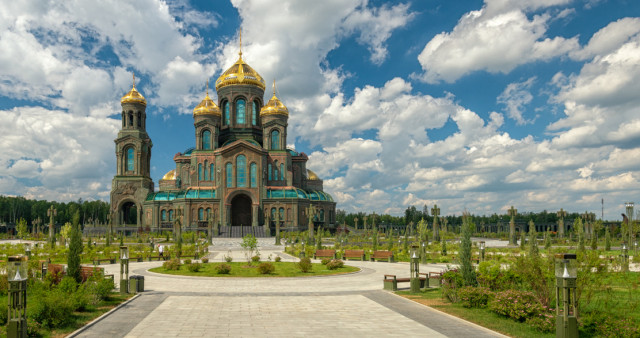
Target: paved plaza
(352, 305)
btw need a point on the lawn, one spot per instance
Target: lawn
(243, 269)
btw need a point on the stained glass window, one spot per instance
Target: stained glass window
(269, 170)
(240, 111)
(130, 159)
(211, 172)
(206, 140)
(254, 113)
(275, 140)
(164, 215)
(282, 171)
(229, 172)
(227, 120)
(171, 215)
(200, 214)
(241, 168)
(281, 212)
(200, 171)
(254, 175)
(205, 168)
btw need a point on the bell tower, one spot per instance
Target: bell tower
(133, 181)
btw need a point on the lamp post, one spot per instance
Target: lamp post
(423, 253)
(51, 212)
(635, 249)
(415, 269)
(482, 251)
(625, 257)
(278, 227)
(124, 269)
(17, 277)
(302, 251)
(566, 312)
(27, 251)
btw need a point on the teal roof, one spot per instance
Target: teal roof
(287, 193)
(188, 194)
(317, 195)
(188, 151)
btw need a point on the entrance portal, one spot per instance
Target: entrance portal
(241, 210)
(129, 214)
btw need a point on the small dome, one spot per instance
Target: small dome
(171, 175)
(311, 175)
(274, 107)
(240, 73)
(207, 107)
(133, 96)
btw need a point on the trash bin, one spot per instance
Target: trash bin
(140, 283)
(133, 284)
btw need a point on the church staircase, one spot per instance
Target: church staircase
(241, 231)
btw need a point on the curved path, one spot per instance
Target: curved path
(351, 305)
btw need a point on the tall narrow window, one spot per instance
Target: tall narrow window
(124, 120)
(281, 212)
(164, 215)
(241, 171)
(200, 171)
(254, 113)
(201, 214)
(321, 215)
(211, 172)
(229, 173)
(282, 171)
(171, 215)
(275, 172)
(275, 140)
(205, 176)
(139, 119)
(209, 215)
(269, 170)
(254, 175)
(206, 140)
(226, 119)
(273, 214)
(130, 159)
(130, 119)
(240, 111)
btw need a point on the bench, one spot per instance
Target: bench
(355, 254)
(390, 282)
(164, 258)
(382, 254)
(434, 279)
(325, 253)
(97, 261)
(87, 271)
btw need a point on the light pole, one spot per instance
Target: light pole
(625, 257)
(629, 210)
(423, 253)
(566, 312)
(17, 277)
(51, 212)
(302, 251)
(124, 269)
(415, 270)
(482, 251)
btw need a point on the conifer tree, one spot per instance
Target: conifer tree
(75, 248)
(468, 272)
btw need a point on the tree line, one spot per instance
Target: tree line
(12, 209)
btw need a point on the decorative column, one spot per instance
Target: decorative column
(435, 212)
(512, 226)
(561, 215)
(51, 212)
(124, 269)
(629, 210)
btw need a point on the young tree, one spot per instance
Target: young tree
(468, 272)
(249, 245)
(22, 228)
(75, 249)
(533, 244)
(607, 239)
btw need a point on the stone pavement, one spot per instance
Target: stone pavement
(351, 305)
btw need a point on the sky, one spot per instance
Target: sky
(473, 105)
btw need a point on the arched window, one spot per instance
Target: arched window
(171, 215)
(321, 215)
(281, 212)
(226, 119)
(209, 215)
(241, 171)
(254, 175)
(204, 169)
(211, 172)
(130, 119)
(201, 214)
(206, 140)
(200, 172)
(275, 139)
(269, 170)
(164, 215)
(139, 119)
(273, 214)
(275, 171)
(240, 111)
(254, 113)
(130, 159)
(229, 173)
(282, 171)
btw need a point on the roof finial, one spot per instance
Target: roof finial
(274, 86)
(134, 80)
(207, 91)
(240, 43)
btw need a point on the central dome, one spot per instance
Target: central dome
(240, 73)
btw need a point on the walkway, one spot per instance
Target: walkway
(352, 305)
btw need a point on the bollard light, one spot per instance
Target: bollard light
(124, 269)
(17, 278)
(302, 251)
(423, 253)
(28, 251)
(566, 271)
(625, 257)
(415, 269)
(482, 244)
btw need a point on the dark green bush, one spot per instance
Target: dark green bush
(491, 275)
(187, 261)
(325, 261)
(255, 259)
(4, 314)
(305, 264)
(451, 281)
(173, 264)
(266, 268)
(205, 260)
(519, 305)
(278, 259)
(51, 309)
(194, 267)
(477, 297)
(335, 264)
(4, 285)
(223, 269)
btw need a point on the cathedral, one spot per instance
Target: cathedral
(238, 174)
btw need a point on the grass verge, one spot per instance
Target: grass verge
(242, 269)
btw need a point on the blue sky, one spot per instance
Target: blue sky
(474, 105)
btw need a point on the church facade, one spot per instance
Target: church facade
(239, 172)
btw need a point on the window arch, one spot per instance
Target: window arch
(130, 119)
(240, 111)
(241, 171)
(139, 119)
(200, 178)
(211, 172)
(275, 171)
(163, 215)
(275, 139)
(226, 119)
(130, 159)
(273, 214)
(171, 215)
(229, 173)
(206, 140)
(201, 214)
(204, 170)
(269, 170)
(254, 175)
(321, 215)
(281, 212)
(282, 171)
(254, 113)
(209, 215)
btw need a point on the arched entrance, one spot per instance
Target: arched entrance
(129, 213)
(241, 210)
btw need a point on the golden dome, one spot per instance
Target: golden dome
(207, 106)
(240, 73)
(311, 175)
(274, 106)
(133, 96)
(171, 175)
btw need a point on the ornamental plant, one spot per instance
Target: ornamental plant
(474, 297)
(223, 269)
(172, 264)
(518, 305)
(335, 264)
(305, 264)
(266, 268)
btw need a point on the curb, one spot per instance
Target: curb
(104, 315)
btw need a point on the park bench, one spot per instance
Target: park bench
(382, 254)
(157, 258)
(355, 254)
(87, 271)
(434, 279)
(324, 254)
(475, 260)
(390, 282)
(97, 261)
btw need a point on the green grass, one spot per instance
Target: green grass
(242, 269)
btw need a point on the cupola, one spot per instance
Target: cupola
(133, 96)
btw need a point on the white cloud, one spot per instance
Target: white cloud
(515, 97)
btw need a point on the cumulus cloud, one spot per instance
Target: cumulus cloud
(515, 97)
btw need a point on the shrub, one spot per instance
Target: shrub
(194, 267)
(187, 261)
(335, 264)
(255, 259)
(172, 264)
(305, 264)
(519, 305)
(474, 296)
(205, 260)
(451, 281)
(325, 261)
(266, 268)
(544, 322)
(223, 269)
(491, 275)
(98, 287)
(33, 328)
(52, 309)
(228, 258)
(4, 285)
(4, 314)
(278, 259)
